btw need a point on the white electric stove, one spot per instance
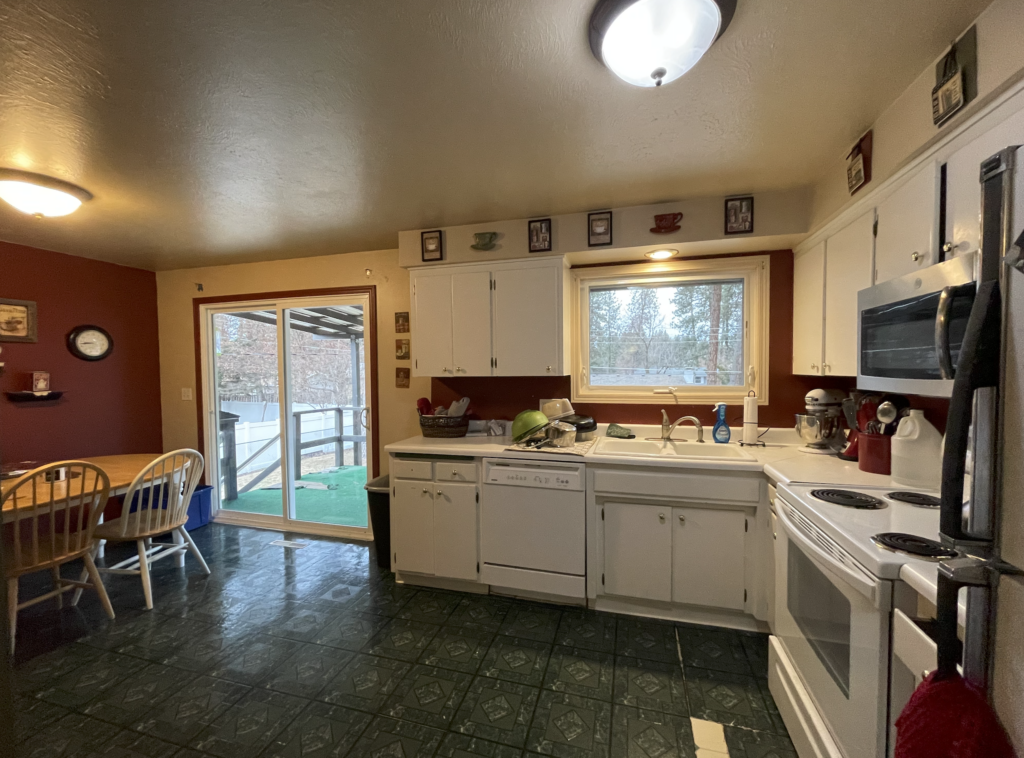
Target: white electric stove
(838, 555)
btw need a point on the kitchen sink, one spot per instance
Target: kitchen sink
(641, 448)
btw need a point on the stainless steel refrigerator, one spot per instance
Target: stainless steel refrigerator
(985, 439)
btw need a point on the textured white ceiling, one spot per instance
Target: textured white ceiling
(233, 130)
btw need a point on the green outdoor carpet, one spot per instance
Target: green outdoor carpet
(345, 506)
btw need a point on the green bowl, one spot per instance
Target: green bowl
(527, 423)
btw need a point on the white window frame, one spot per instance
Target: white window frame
(755, 272)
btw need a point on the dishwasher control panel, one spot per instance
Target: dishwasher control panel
(538, 476)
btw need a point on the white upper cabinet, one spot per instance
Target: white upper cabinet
(528, 321)
(963, 186)
(432, 321)
(491, 319)
(809, 310)
(471, 323)
(908, 227)
(848, 255)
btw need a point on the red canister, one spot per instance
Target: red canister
(875, 453)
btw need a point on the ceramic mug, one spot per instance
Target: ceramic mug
(666, 222)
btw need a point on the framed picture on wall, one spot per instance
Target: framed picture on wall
(739, 215)
(599, 229)
(432, 246)
(402, 349)
(18, 321)
(402, 322)
(402, 378)
(540, 235)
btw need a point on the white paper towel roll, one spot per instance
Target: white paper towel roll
(750, 420)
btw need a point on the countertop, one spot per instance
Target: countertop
(780, 459)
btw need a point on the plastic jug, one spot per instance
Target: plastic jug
(917, 453)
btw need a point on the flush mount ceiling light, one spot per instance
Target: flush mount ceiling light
(661, 255)
(652, 42)
(40, 195)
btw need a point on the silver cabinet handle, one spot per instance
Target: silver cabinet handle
(814, 366)
(915, 256)
(682, 519)
(455, 472)
(661, 517)
(440, 494)
(426, 491)
(826, 366)
(549, 369)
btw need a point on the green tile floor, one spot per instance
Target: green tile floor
(316, 652)
(344, 505)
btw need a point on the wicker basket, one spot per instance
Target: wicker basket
(444, 426)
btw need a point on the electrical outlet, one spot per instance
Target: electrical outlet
(186, 393)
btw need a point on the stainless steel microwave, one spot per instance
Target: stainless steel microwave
(910, 329)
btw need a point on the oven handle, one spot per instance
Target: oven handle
(942, 349)
(860, 581)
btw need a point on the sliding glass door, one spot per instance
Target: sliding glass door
(288, 402)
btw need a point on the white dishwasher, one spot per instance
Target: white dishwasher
(533, 526)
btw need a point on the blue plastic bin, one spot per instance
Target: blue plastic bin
(199, 508)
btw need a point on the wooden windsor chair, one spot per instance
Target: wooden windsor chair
(50, 521)
(156, 505)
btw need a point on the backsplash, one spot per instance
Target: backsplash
(504, 397)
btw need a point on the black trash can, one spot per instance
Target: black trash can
(378, 493)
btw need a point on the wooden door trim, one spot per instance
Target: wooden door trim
(370, 318)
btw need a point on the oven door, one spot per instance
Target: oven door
(911, 328)
(833, 619)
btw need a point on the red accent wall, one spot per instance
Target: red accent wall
(110, 406)
(504, 397)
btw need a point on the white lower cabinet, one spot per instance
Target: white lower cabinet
(412, 527)
(638, 551)
(455, 526)
(675, 554)
(435, 520)
(707, 557)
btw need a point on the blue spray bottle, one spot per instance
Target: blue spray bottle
(721, 431)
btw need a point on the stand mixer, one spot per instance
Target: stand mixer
(821, 427)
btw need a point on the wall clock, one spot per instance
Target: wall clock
(90, 343)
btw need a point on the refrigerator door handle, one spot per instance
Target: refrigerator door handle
(978, 366)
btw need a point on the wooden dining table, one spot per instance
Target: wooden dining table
(120, 469)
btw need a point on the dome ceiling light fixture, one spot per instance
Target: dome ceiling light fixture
(662, 255)
(39, 195)
(652, 42)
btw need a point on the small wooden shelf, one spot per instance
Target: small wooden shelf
(33, 397)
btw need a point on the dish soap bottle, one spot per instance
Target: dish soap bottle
(721, 431)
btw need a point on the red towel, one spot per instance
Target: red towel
(948, 718)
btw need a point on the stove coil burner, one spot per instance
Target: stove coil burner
(849, 499)
(911, 544)
(918, 499)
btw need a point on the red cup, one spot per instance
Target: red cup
(875, 453)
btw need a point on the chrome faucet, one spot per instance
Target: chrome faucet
(667, 428)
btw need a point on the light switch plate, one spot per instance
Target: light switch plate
(186, 393)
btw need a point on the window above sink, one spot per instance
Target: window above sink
(679, 331)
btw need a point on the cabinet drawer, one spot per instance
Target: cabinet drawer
(702, 487)
(455, 472)
(401, 469)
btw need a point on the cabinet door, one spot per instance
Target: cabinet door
(963, 187)
(412, 527)
(847, 271)
(707, 557)
(908, 227)
(455, 531)
(471, 324)
(809, 310)
(638, 551)
(432, 324)
(527, 321)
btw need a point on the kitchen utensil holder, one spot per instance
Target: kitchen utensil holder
(444, 427)
(874, 454)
